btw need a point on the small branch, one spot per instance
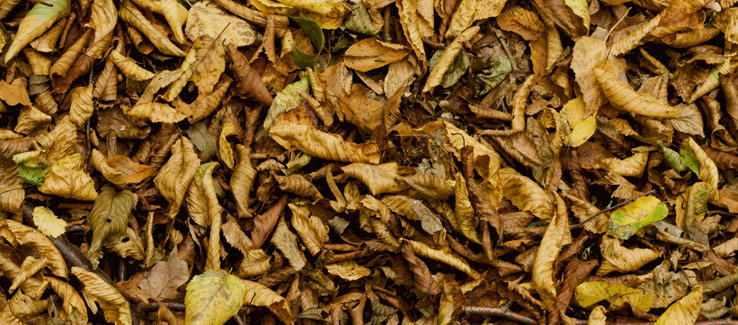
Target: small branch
(154, 306)
(608, 209)
(500, 312)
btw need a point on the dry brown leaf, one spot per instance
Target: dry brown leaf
(69, 183)
(312, 231)
(442, 256)
(322, 145)
(108, 219)
(165, 278)
(379, 179)
(116, 308)
(207, 19)
(175, 176)
(557, 235)
(286, 243)
(522, 22)
(24, 235)
(130, 14)
(447, 58)
(259, 295)
(242, 181)
(249, 82)
(255, 262)
(623, 96)
(622, 259)
(421, 274)
(684, 311)
(154, 112)
(370, 54)
(524, 193)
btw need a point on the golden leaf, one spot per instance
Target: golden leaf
(619, 258)
(259, 295)
(465, 221)
(173, 12)
(111, 174)
(103, 18)
(154, 112)
(131, 15)
(286, 243)
(311, 229)
(24, 235)
(370, 54)
(63, 65)
(129, 67)
(379, 179)
(132, 172)
(25, 307)
(623, 96)
(13, 93)
(525, 193)
(40, 18)
(685, 311)
(128, 246)
(255, 262)
(557, 235)
(69, 183)
(708, 169)
(108, 219)
(235, 236)
(242, 180)
(631, 166)
(213, 297)
(348, 270)
(590, 293)
(208, 19)
(73, 306)
(442, 256)
(447, 58)
(323, 145)
(297, 184)
(48, 223)
(597, 316)
(202, 202)
(30, 119)
(210, 55)
(30, 266)
(11, 185)
(409, 19)
(46, 43)
(115, 307)
(522, 22)
(430, 185)
(82, 107)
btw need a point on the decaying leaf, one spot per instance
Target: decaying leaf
(108, 219)
(175, 176)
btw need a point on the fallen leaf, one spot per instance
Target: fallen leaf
(213, 297)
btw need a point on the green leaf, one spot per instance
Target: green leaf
(287, 99)
(690, 160)
(673, 159)
(213, 298)
(492, 76)
(298, 160)
(456, 69)
(359, 21)
(30, 167)
(626, 221)
(315, 33)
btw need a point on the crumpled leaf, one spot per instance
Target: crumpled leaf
(259, 295)
(11, 185)
(207, 19)
(69, 183)
(165, 277)
(154, 112)
(370, 54)
(248, 81)
(286, 100)
(286, 243)
(24, 235)
(323, 145)
(626, 221)
(73, 305)
(442, 256)
(315, 34)
(708, 171)
(129, 13)
(109, 219)
(684, 311)
(623, 96)
(116, 308)
(522, 22)
(619, 258)
(213, 297)
(36, 21)
(174, 13)
(589, 293)
(449, 55)
(525, 194)
(48, 223)
(242, 181)
(175, 176)
(379, 179)
(255, 262)
(312, 231)
(348, 270)
(82, 106)
(129, 67)
(557, 235)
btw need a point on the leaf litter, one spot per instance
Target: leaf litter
(409, 161)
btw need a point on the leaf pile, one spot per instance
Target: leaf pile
(382, 162)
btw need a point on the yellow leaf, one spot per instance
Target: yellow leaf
(108, 219)
(623, 96)
(255, 262)
(311, 229)
(619, 258)
(213, 297)
(175, 176)
(379, 179)
(447, 58)
(209, 19)
(115, 307)
(242, 180)
(582, 131)
(597, 316)
(323, 145)
(103, 18)
(30, 266)
(259, 295)
(40, 18)
(129, 67)
(522, 22)
(48, 223)
(410, 21)
(525, 193)
(590, 293)
(443, 257)
(154, 112)
(370, 54)
(465, 221)
(173, 12)
(348, 270)
(205, 210)
(286, 243)
(631, 166)
(685, 311)
(82, 106)
(69, 183)
(430, 185)
(130, 14)
(225, 151)
(24, 235)
(557, 235)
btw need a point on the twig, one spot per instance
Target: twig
(500, 312)
(173, 306)
(608, 209)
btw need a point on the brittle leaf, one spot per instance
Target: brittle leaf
(116, 308)
(108, 219)
(40, 18)
(175, 176)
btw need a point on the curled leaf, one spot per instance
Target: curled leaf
(175, 176)
(108, 219)
(116, 308)
(557, 235)
(39, 19)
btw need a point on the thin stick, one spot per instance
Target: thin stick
(499, 312)
(608, 209)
